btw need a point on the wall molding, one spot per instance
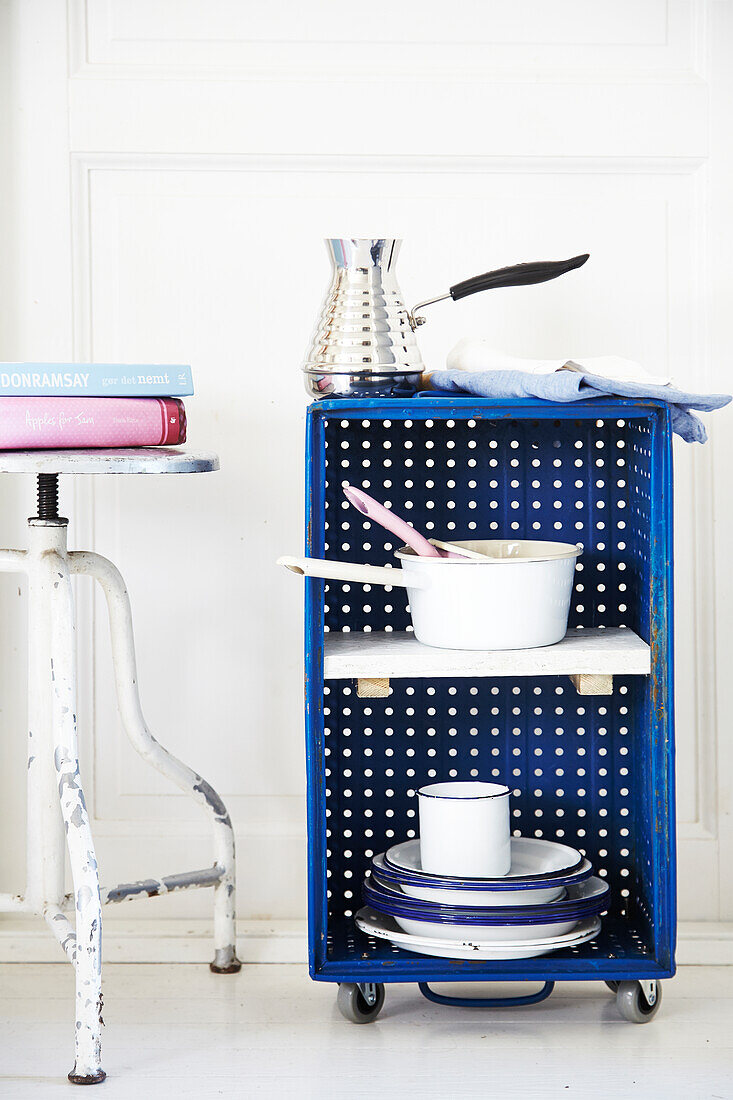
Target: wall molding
(173, 829)
(695, 830)
(704, 564)
(84, 162)
(196, 74)
(26, 940)
(633, 45)
(147, 940)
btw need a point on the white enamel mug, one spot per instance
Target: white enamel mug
(464, 829)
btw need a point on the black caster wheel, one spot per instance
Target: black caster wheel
(613, 986)
(638, 1002)
(360, 1003)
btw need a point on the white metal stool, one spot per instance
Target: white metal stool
(53, 764)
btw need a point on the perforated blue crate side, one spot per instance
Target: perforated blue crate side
(594, 772)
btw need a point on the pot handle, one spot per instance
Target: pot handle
(348, 571)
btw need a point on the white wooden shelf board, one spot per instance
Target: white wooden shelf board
(601, 651)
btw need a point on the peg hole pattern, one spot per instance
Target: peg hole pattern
(574, 763)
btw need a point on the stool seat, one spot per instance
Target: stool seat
(109, 460)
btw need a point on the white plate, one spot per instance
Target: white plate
(496, 933)
(531, 858)
(453, 895)
(384, 928)
(446, 896)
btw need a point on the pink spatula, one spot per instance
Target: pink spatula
(371, 508)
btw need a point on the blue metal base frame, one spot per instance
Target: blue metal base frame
(486, 1002)
(594, 772)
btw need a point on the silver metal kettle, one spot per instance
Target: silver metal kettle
(364, 343)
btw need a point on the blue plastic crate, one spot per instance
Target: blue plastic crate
(593, 772)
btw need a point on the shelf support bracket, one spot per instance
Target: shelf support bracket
(592, 684)
(372, 687)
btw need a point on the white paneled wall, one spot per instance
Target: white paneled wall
(171, 167)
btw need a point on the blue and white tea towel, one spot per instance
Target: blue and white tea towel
(475, 368)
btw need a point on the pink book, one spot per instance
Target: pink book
(29, 423)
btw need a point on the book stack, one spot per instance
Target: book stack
(69, 405)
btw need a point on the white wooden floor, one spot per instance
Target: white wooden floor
(179, 1031)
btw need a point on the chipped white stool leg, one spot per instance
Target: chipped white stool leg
(18, 561)
(88, 954)
(45, 851)
(133, 720)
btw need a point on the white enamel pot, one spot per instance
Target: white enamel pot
(516, 597)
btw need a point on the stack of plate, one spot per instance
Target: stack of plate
(547, 901)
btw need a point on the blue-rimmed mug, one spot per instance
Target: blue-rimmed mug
(464, 829)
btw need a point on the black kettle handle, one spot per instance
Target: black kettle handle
(516, 275)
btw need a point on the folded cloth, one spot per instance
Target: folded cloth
(577, 385)
(475, 354)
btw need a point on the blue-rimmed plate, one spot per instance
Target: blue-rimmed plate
(437, 921)
(382, 927)
(504, 892)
